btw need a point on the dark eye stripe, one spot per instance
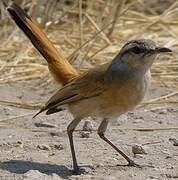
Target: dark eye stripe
(137, 50)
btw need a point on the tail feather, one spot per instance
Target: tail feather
(39, 112)
(60, 68)
(49, 111)
(53, 110)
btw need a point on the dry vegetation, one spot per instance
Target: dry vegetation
(87, 32)
(90, 32)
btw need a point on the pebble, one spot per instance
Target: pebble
(20, 144)
(168, 157)
(55, 133)
(174, 140)
(33, 174)
(58, 146)
(88, 126)
(85, 134)
(137, 149)
(6, 111)
(159, 111)
(163, 111)
(44, 147)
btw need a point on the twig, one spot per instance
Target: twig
(159, 102)
(118, 11)
(154, 129)
(98, 29)
(23, 105)
(15, 117)
(160, 98)
(89, 40)
(150, 143)
(80, 22)
(95, 53)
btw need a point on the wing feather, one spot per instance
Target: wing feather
(88, 85)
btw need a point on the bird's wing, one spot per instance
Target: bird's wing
(88, 85)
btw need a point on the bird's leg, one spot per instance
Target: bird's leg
(70, 129)
(101, 130)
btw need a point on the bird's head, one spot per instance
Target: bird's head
(140, 54)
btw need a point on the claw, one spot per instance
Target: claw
(132, 163)
(78, 171)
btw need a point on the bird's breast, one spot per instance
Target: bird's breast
(114, 101)
(124, 97)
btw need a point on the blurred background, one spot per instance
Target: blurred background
(89, 32)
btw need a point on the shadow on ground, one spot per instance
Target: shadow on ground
(21, 167)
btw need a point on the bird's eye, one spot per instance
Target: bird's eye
(137, 50)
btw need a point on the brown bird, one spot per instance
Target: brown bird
(108, 90)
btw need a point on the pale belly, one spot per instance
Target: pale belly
(113, 102)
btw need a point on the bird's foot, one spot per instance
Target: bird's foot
(78, 171)
(133, 164)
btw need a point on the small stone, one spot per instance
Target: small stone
(139, 117)
(168, 157)
(55, 133)
(52, 154)
(34, 174)
(7, 111)
(172, 109)
(163, 111)
(20, 144)
(44, 147)
(160, 122)
(152, 177)
(10, 136)
(88, 126)
(166, 152)
(174, 140)
(58, 146)
(99, 165)
(85, 134)
(137, 149)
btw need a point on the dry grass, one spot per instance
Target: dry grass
(90, 33)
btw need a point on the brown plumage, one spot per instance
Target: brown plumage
(85, 86)
(106, 91)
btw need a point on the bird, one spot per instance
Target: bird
(107, 90)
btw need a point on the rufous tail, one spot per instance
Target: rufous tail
(60, 68)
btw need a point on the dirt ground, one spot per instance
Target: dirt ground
(31, 152)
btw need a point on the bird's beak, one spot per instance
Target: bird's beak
(162, 50)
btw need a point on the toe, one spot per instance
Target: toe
(132, 163)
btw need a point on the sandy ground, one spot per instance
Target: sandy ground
(42, 153)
